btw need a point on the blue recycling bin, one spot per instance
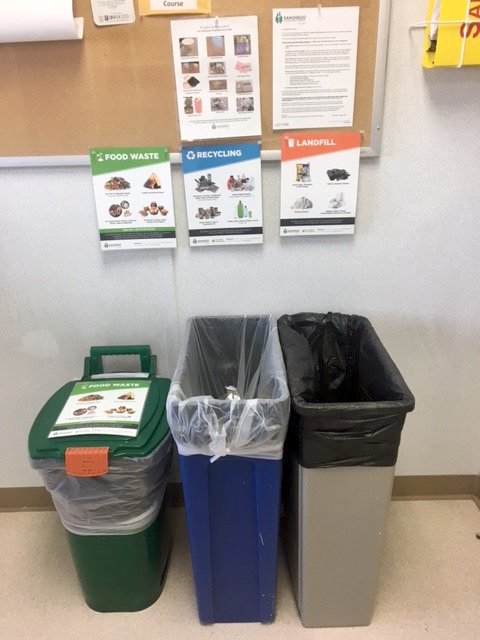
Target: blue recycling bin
(228, 410)
(232, 509)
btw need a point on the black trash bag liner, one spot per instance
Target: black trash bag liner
(349, 400)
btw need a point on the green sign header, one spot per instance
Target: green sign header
(108, 160)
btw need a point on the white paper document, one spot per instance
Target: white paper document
(38, 20)
(314, 64)
(217, 77)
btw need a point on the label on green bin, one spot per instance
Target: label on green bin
(104, 407)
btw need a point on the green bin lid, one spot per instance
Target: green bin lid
(152, 429)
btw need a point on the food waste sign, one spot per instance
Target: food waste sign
(133, 198)
(109, 407)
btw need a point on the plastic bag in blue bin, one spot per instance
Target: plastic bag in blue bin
(229, 393)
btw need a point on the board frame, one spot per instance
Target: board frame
(372, 149)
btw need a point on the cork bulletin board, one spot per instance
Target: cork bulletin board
(116, 86)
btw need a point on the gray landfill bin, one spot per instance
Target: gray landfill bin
(349, 403)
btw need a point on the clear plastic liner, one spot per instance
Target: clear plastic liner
(124, 501)
(219, 353)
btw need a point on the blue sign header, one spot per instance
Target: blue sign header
(202, 158)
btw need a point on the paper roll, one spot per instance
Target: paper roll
(38, 20)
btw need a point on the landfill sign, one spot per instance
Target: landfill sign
(319, 182)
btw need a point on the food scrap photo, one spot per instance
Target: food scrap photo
(127, 396)
(216, 68)
(117, 184)
(219, 104)
(120, 410)
(242, 45)
(188, 105)
(191, 67)
(188, 47)
(190, 82)
(243, 67)
(154, 209)
(91, 397)
(243, 86)
(217, 85)
(245, 104)
(215, 46)
(153, 182)
(115, 210)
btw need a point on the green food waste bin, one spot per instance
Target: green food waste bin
(103, 448)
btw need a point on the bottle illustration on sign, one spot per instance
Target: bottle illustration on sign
(241, 183)
(198, 105)
(243, 211)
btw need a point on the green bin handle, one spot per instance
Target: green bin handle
(93, 364)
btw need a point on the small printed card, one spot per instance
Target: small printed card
(109, 12)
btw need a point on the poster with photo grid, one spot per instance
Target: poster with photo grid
(217, 77)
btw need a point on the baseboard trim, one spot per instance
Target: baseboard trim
(25, 498)
(436, 486)
(404, 488)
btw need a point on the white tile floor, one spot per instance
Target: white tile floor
(429, 585)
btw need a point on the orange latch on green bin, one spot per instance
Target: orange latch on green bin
(86, 462)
